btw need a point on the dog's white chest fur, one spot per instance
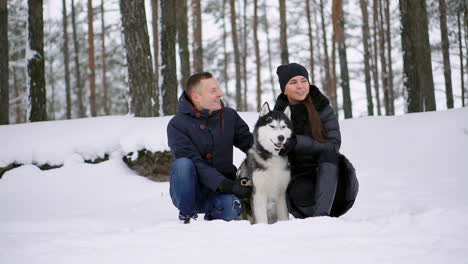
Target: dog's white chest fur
(269, 197)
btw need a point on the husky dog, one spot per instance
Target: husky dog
(266, 171)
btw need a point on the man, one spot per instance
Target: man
(201, 137)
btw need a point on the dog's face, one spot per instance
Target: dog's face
(273, 128)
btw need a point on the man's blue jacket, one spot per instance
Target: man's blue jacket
(208, 140)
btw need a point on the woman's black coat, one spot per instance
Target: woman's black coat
(306, 154)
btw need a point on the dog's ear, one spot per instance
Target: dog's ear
(287, 112)
(265, 109)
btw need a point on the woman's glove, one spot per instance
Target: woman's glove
(288, 146)
(236, 188)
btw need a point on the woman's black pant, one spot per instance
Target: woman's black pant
(312, 189)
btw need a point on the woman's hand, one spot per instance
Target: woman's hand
(288, 146)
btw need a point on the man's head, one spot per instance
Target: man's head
(203, 91)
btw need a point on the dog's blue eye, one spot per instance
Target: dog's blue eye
(272, 126)
(283, 127)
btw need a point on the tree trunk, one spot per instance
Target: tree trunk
(466, 47)
(140, 68)
(445, 53)
(91, 62)
(391, 97)
(383, 61)
(417, 63)
(105, 88)
(4, 87)
(375, 64)
(155, 17)
(283, 33)
(311, 45)
(365, 41)
(319, 46)
(338, 23)
(19, 112)
(79, 86)
(244, 58)
(51, 87)
(168, 57)
(35, 61)
(327, 87)
(267, 32)
(182, 37)
(257, 57)
(460, 46)
(226, 57)
(197, 37)
(235, 44)
(66, 60)
(333, 75)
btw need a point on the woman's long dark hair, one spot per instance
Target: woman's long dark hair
(316, 127)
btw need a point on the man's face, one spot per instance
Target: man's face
(207, 96)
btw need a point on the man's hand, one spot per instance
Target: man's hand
(236, 188)
(288, 146)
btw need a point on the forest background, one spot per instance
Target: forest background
(74, 58)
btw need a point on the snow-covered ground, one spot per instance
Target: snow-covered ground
(412, 206)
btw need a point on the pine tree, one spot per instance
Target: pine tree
(91, 61)
(338, 24)
(391, 96)
(311, 45)
(66, 60)
(76, 45)
(283, 33)
(258, 61)
(327, 86)
(4, 72)
(417, 63)
(445, 53)
(365, 41)
(383, 61)
(155, 17)
(168, 57)
(244, 57)
(197, 37)
(140, 68)
(235, 44)
(36, 75)
(460, 49)
(182, 37)
(105, 88)
(375, 54)
(267, 33)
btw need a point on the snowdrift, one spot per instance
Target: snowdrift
(412, 206)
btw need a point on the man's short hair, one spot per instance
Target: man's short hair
(194, 80)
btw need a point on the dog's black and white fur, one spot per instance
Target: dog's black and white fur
(266, 171)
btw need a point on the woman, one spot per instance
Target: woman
(314, 150)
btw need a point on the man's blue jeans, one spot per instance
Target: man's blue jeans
(191, 197)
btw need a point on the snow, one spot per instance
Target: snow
(412, 206)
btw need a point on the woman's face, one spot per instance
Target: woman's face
(297, 89)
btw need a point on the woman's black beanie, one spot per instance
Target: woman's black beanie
(287, 71)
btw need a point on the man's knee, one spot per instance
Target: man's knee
(182, 168)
